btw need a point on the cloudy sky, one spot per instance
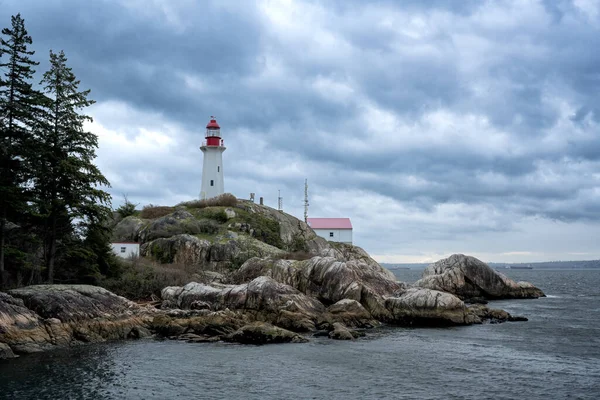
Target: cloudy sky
(436, 126)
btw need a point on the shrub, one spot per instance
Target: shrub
(151, 211)
(224, 200)
(207, 226)
(144, 279)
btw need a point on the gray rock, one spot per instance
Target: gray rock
(128, 229)
(263, 297)
(417, 306)
(263, 333)
(351, 313)
(330, 280)
(6, 352)
(176, 223)
(468, 277)
(42, 317)
(230, 213)
(340, 332)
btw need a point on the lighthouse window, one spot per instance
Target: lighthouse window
(212, 183)
(330, 234)
(218, 169)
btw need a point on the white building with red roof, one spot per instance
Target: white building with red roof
(332, 229)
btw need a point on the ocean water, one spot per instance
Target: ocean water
(555, 355)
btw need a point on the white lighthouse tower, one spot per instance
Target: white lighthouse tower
(212, 167)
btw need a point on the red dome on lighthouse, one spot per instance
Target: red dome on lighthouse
(213, 124)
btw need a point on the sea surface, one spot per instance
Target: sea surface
(555, 355)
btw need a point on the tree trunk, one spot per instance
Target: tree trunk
(2, 227)
(52, 251)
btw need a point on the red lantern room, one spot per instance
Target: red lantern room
(213, 133)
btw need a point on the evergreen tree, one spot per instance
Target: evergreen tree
(19, 110)
(67, 183)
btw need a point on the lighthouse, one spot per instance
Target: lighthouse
(212, 167)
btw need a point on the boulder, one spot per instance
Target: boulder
(6, 352)
(330, 280)
(468, 277)
(128, 229)
(219, 255)
(176, 223)
(351, 313)
(340, 332)
(263, 297)
(417, 306)
(42, 317)
(263, 333)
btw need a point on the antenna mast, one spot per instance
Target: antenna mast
(306, 201)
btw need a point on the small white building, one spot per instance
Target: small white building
(126, 249)
(332, 229)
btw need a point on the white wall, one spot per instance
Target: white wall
(130, 249)
(212, 170)
(339, 235)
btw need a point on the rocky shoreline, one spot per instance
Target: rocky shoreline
(267, 300)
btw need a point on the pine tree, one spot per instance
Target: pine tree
(19, 108)
(67, 183)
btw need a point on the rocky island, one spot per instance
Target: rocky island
(261, 276)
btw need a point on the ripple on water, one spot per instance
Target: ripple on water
(554, 355)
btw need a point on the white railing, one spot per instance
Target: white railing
(221, 143)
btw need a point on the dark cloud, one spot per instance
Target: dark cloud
(454, 116)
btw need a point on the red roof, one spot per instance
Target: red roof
(213, 124)
(330, 223)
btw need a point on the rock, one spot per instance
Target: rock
(330, 280)
(263, 297)
(206, 255)
(6, 352)
(199, 305)
(42, 317)
(517, 318)
(493, 315)
(351, 313)
(128, 229)
(419, 306)
(467, 277)
(176, 223)
(340, 332)
(230, 213)
(71, 303)
(263, 333)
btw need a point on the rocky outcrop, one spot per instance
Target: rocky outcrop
(38, 318)
(263, 333)
(418, 306)
(468, 277)
(330, 280)
(220, 256)
(263, 298)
